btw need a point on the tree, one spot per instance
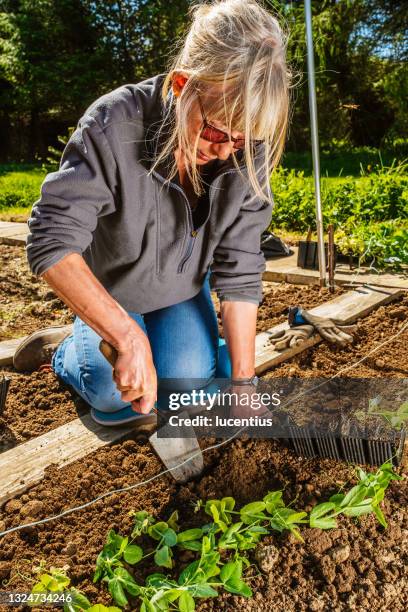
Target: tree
(51, 62)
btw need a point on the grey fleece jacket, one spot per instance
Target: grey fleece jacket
(134, 230)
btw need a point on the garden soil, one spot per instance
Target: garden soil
(358, 566)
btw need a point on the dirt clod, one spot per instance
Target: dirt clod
(32, 508)
(70, 549)
(266, 557)
(340, 554)
(5, 569)
(328, 568)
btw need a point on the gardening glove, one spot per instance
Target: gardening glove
(287, 338)
(327, 328)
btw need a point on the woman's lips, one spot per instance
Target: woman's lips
(202, 156)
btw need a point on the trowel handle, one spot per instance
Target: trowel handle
(109, 352)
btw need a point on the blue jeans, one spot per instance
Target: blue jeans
(185, 345)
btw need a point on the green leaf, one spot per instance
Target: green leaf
(78, 603)
(219, 509)
(172, 595)
(230, 537)
(186, 602)
(142, 521)
(170, 537)
(102, 608)
(273, 500)
(162, 557)
(160, 600)
(54, 583)
(118, 542)
(252, 511)
(203, 590)
(323, 523)
(157, 530)
(354, 497)
(189, 534)
(189, 573)
(116, 590)
(228, 502)
(146, 606)
(231, 570)
(380, 516)
(365, 508)
(194, 545)
(318, 520)
(337, 499)
(37, 588)
(205, 545)
(296, 517)
(172, 521)
(362, 475)
(211, 508)
(127, 581)
(322, 509)
(238, 587)
(258, 529)
(132, 554)
(158, 581)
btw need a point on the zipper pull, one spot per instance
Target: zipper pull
(194, 233)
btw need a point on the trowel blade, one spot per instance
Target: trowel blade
(175, 451)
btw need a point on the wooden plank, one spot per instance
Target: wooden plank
(285, 269)
(19, 240)
(7, 224)
(9, 347)
(13, 231)
(24, 465)
(7, 350)
(346, 308)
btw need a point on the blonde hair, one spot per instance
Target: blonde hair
(238, 47)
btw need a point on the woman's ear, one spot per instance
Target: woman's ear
(179, 79)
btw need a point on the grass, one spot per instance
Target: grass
(340, 163)
(19, 189)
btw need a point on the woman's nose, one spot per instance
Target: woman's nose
(223, 150)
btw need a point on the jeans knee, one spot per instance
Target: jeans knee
(105, 399)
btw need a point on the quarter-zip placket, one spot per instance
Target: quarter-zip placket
(192, 233)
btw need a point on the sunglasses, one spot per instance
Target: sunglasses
(213, 134)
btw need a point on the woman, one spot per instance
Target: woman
(163, 189)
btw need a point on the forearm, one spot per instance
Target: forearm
(76, 285)
(239, 324)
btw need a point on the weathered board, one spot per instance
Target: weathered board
(285, 269)
(23, 466)
(346, 308)
(13, 233)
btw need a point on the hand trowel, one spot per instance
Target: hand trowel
(182, 455)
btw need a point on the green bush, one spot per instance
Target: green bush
(381, 244)
(369, 213)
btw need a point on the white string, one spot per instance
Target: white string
(197, 454)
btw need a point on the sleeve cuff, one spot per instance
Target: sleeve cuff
(239, 297)
(40, 265)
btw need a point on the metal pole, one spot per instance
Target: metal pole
(330, 251)
(315, 142)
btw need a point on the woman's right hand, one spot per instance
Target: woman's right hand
(134, 373)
